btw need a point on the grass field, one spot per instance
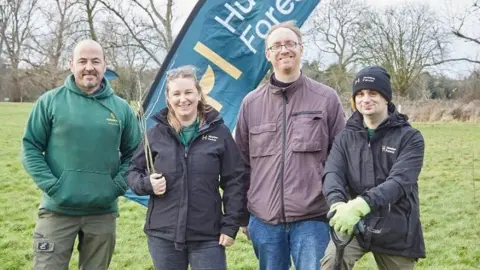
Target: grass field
(449, 195)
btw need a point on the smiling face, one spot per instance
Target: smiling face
(88, 65)
(370, 103)
(285, 59)
(183, 97)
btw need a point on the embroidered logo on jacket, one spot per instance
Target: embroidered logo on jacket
(112, 120)
(388, 149)
(210, 138)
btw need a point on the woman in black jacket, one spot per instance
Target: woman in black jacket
(193, 155)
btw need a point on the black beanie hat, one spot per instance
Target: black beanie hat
(374, 78)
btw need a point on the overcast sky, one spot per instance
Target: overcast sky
(445, 9)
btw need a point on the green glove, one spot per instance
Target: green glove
(348, 215)
(334, 206)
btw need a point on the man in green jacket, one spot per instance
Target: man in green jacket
(77, 146)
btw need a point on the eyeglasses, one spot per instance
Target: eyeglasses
(290, 45)
(182, 71)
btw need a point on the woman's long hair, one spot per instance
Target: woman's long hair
(202, 108)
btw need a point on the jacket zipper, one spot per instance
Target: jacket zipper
(284, 138)
(369, 223)
(150, 216)
(186, 149)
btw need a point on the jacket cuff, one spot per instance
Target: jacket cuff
(334, 199)
(245, 220)
(121, 184)
(147, 186)
(230, 231)
(366, 198)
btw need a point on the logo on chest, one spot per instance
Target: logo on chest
(388, 149)
(112, 120)
(210, 138)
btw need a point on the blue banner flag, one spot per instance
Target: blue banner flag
(110, 74)
(225, 41)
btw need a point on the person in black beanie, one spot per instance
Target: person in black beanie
(371, 175)
(374, 78)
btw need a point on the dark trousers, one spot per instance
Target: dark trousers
(200, 255)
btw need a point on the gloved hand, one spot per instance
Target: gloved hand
(334, 207)
(348, 215)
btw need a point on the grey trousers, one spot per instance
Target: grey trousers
(353, 253)
(55, 236)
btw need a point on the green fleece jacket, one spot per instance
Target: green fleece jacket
(77, 148)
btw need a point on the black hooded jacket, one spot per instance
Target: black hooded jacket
(384, 171)
(191, 208)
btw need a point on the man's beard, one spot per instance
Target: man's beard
(90, 84)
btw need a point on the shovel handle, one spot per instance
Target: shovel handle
(336, 240)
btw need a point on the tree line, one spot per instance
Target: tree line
(37, 38)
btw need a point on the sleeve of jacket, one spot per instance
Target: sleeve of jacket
(336, 118)
(129, 142)
(34, 144)
(403, 175)
(241, 139)
(335, 183)
(138, 179)
(232, 184)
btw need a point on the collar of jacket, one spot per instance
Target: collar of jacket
(105, 90)
(211, 117)
(394, 119)
(289, 90)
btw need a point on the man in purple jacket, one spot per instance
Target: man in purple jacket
(284, 131)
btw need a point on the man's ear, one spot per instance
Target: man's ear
(70, 65)
(267, 54)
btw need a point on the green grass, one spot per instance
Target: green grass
(449, 194)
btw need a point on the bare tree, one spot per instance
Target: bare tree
(127, 59)
(336, 29)
(61, 30)
(471, 18)
(404, 39)
(60, 17)
(89, 6)
(152, 30)
(19, 15)
(4, 16)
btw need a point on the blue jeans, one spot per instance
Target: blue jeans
(305, 241)
(205, 255)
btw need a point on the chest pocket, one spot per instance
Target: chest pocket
(307, 131)
(262, 139)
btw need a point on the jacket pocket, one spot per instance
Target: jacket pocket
(85, 189)
(391, 231)
(307, 131)
(262, 139)
(205, 210)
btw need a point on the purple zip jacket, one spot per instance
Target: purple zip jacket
(284, 136)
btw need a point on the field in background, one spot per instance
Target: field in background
(449, 195)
